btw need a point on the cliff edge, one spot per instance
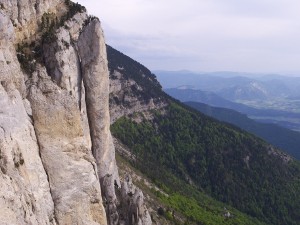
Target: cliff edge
(57, 158)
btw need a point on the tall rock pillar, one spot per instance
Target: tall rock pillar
(92, 51)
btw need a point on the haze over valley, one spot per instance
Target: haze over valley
(265, 98)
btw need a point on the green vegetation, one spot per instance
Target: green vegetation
(188, 154)
(187, 205)
(28, 55)
(182, 145)
(73, 8)
(50, 23)
(89, 19)
(283, 138)
(210, 212)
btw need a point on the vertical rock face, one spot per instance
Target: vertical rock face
(57, 158)
(10, 68)
(65, 153)
(24, 188)
(92, 51)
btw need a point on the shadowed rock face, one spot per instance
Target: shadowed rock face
(57, 158)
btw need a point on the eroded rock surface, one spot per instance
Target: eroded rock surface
(65, 152)
(25, 14)
(92, 52)
(124, 101)
(24, 188)
(25, 196)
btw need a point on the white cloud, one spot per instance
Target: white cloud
(240, 35)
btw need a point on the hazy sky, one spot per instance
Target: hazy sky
(204, 35)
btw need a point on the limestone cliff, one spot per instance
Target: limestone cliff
(133, 88)
(57, 157)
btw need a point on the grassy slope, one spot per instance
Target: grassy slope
(178, 208)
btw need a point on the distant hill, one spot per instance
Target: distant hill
(233, 86)
(269, 92)
(283, 138)
(262, 115)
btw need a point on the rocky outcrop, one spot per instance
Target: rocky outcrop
(57, 157)
(10, 68)
(24, 188)
(133, 88)
(125, 101)
(132, 204)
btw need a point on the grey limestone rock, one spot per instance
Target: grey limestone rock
(25, 196)
(57, 157)
(133, 209)
(26, 14)
(65, 153)
(128, 102)
(92, 51)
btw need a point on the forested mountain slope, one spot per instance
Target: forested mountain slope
(190, 153)
(283, 138)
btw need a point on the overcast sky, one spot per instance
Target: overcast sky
(204, 35)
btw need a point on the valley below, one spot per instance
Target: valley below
(270, 99)
(287, 105)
